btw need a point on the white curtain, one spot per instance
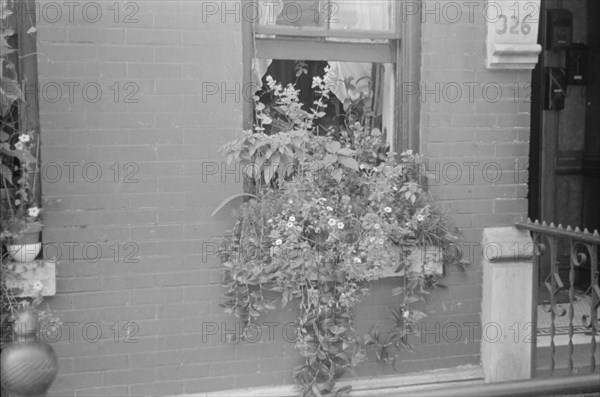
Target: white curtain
(268, 16)
(362, 15)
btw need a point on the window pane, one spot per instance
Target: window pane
(373, 15)
(298, 13)
(347, 15)
(362, 92)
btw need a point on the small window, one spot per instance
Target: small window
(360, 91)
(359, 40)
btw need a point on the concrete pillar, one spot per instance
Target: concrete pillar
(509, 309)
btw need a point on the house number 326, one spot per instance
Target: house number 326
(516, 25)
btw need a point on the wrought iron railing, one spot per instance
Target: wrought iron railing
(550, 246)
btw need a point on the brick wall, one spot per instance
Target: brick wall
(128, 210)
(475, 126)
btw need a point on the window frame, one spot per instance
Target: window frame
(401, 47)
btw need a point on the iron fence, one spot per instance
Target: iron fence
(561, 254)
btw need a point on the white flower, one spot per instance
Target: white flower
(318, 230)
(341, 225)
(376, 226)
(387, 209)
(357, 260)
(24, 138)
(420, 217)
(19, 146)
(290, 201)
(278, 241)
(409, 152)
(329, 208)
(406, 314)
(292, 219)
(362, 167)
(394, 188)
(38, 286)
(332, 222)
(290, 224)
(33, 212)
(270, 221)
(380, 241)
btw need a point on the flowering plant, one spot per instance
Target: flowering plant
(18, 145)
(20, 211)
(329, 214)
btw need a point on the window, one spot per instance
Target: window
(360, 39)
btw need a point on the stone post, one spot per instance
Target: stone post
(509, 311)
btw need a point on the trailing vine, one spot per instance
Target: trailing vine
(329, 215)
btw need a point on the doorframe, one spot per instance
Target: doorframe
(537, 123)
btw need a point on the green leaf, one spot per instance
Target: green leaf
(330, 159)
(230, 199)
(316, 389)
(22, 155)
(349, 162)
(333, 146)
(286, 297)
(346, 152)
(6, 172)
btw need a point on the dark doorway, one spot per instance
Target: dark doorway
(564, 169)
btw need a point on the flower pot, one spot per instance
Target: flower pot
(427, 261)
(24, 252)
(27, 246)
(28, 367)
(30, 235)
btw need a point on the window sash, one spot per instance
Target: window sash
(326, 29)
(319, 32)
(288, 48)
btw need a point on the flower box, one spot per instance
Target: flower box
(31, 279)
(428, 261)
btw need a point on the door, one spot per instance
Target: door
(564, 184)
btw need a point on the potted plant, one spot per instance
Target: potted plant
(328, 214)
(19, 146)
(20, 218)
(19, 360)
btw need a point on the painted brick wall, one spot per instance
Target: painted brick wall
(127, 212)
(475, 126)
(128, 208)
